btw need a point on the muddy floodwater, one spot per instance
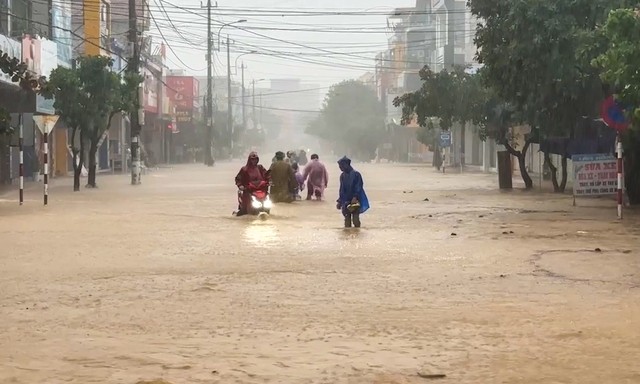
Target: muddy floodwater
(448, 276)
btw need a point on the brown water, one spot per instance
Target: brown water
(124, 283)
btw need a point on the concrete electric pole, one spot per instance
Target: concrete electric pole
(229, 109)
(208, 144)
(136, 117)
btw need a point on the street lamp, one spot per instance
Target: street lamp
(239, 56)
(229, 108)
(253, 93)
(244, 105)
(226, 25)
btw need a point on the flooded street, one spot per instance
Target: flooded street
(447, 276)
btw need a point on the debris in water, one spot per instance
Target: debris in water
(598, 250)
(153, 382)
(503, 275)
(481, 216)
(407, 191)
(627, 251)
(430, 215)
(432, 376)
(426, 199)
(454, 234)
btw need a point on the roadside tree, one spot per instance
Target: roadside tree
(352, 118)
(87, 97)
(618, 63)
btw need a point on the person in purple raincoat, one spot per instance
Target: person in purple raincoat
(317, 177)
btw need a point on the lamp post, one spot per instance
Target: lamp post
(253, 94)
(210, 80)
(244, 106)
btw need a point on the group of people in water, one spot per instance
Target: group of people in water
(291, 173)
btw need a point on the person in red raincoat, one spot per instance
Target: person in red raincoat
(254, 173)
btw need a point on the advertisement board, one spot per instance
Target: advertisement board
(594, 175)
(31, 51)
(182, 90)
(48, 56)
(150, 85)
(61, 30)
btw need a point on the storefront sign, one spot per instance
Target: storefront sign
(183, 91)
(594, 175)
(184, 116)
(150, 92)
(13, 50)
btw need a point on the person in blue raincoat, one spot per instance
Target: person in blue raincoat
(352, 200)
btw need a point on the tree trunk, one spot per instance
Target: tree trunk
(554, 172)
(75, 151)
(77, 170)
(522, 161)
(522, 164)
(93, 149)
(563, 182)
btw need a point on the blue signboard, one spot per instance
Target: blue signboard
(445, 139)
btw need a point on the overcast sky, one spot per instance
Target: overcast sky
(305, 46)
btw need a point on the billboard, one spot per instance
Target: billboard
(594, 175)
(150, 87)
(61, 30)
(31, 52)
(183, 92)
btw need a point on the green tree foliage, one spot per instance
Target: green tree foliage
(87, 97)
(534, 60)
(619, 63)
(351, 118)
(457, 97)
(19, 74)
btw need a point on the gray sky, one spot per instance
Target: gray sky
(289, 45)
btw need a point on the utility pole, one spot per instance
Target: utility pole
(208, 151)
(260, 109)
(136, 117)
(229, 110)
(253, 103)
(244, 105)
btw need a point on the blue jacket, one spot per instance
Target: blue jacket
(351, 185)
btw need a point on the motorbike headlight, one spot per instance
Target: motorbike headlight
(256, 204)
(268, 204)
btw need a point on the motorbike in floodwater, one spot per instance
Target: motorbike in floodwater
(260, 201)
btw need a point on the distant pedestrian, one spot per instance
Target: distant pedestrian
(317, 177)
(283, 180)
(352, 200)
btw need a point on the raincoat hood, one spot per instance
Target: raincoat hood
(253, 155)
(345, 164)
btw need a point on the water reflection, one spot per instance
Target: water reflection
(261, 234)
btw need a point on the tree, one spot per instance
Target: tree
(533, 60)
(19, 74)
(460, 97)
(618, 63)
(87, 97)
(351, 118)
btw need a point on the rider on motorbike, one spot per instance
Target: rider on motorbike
(252, 173)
